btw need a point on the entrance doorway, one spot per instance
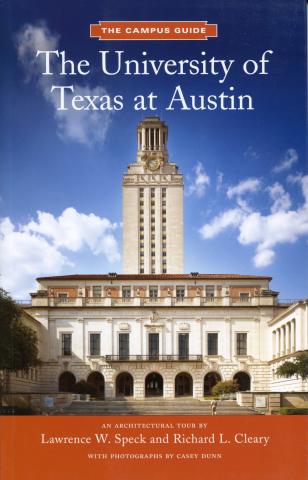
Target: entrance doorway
(124, 385)
(243, 380)
(154, 385)
(96, 379)
(183, 385)
(210, 381)
(67, 381)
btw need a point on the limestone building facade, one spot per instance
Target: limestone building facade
(154, 330)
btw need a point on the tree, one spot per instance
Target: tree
(222, 388)
(298, 366)
(18, 343)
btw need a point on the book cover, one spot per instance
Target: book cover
(154, 239)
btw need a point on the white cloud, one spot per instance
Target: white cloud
(249, 185)
(263, 258)
(87, 127)
(200, 181)
(282, 200)
(41, 246)
(289, 159)
(229, 218)
(219, 181)
(296, 178)
(280, 226)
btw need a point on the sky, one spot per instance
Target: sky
(245, 171)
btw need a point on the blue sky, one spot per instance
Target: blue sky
(245, 171)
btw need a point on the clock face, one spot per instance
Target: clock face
(153, 162)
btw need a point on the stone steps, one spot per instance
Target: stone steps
(179, 406)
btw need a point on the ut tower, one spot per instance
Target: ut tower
(152, 206)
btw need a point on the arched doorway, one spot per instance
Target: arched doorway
(243, 380)
(154, 385)
(97, 381)
(210, 381)
(124, 385)
(183, 385)
(66, 382)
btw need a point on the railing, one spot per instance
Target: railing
(288, 301)
(66, 300)
(153, 358)
(168, 301)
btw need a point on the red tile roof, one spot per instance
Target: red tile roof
(166, 276)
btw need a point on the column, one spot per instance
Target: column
(287, 338)
(276, 343)
(159, 138)
(143, 139)
(273, 344)
(282, 337)
(292, 335)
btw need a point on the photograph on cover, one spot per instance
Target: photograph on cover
(154, 208)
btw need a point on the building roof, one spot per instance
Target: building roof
(166, 276)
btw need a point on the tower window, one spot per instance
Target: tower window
(97, 291)
(66, 344)
(212, 343)
(183, 340)
(123, 346)
(180, 292)
(209, 291)
(126, 292)
(95, 344)
(153, 292)
(241, 344)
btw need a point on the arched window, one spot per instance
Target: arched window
(67, 381)
(154, 385)
(97, 381)
(183, 385)
(210, 380)
(243, 380)
(124, 385)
